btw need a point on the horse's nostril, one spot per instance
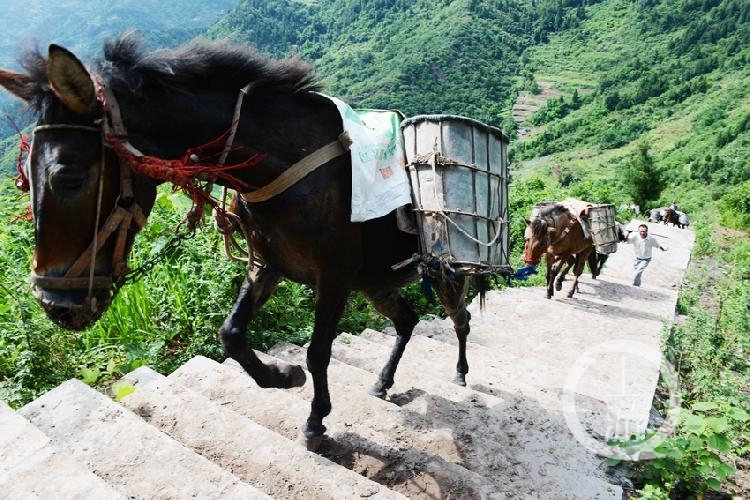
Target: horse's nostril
(72, 314)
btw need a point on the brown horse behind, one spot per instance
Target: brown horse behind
(557, 234)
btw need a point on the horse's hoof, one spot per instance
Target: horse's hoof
(310, 443)
(460, 379)
(570, 294)
(558, 286)
(378, 392)
(293, 376)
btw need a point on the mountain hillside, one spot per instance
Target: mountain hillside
(672, 75)
(422, 56)
(590, 82)
(81, 26)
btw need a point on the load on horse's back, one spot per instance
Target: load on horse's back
(104, 142)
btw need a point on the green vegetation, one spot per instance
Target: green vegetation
(708, 350)
(642, 181)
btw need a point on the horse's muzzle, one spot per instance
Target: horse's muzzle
(73, 309)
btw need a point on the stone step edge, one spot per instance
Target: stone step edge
(380, 444)
(32, 466)
(281, 457)
(117, 444)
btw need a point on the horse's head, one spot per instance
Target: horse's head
(87, 208)
(537, 238)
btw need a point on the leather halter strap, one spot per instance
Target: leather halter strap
(299, 170)
(125, 214)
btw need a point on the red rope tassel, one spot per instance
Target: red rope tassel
(24, 148)
(186, 175)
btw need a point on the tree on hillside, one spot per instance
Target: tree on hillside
(642, 180)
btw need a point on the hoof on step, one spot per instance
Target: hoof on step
(378, 392)
(460, 379)
(310, 443)
(296, 376)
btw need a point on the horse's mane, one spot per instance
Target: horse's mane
(200, 64)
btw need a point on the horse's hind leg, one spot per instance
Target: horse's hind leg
(393, 306)
(564, 272)
(452, 293)
(593, 261)
(253, 294)
(577, 271)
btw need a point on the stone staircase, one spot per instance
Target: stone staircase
(208, 431)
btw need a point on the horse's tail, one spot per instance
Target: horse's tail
(482, 286)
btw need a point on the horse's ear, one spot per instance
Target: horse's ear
(18, 84)
(69, 80)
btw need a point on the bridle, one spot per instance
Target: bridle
(126, 216)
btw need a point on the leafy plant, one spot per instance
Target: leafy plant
(695, 459)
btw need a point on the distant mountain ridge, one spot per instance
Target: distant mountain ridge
(82, 26)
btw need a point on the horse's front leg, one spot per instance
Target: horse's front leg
(393, 306)
(253, 294)
(330, 301)
(452, 293)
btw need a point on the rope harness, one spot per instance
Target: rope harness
(554, 222)
(127, 216)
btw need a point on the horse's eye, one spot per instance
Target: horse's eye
(67, 179)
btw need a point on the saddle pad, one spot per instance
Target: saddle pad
(379, 180)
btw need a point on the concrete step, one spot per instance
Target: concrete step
(509, 452)
(349, 390)
(32, 467)
(543, 381)
(125, 451)
(529, 431)
(427, 366)
(517, 327)
(257, 455)
(595, 406)
(395, 464)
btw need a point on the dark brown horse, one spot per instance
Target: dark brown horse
(558, 235)
(672, 216)
(98, 155)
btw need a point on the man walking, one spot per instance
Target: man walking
(642, 245)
